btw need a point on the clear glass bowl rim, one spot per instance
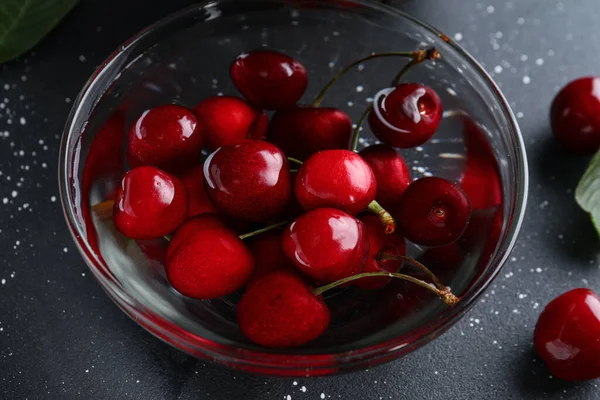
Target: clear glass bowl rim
(269, 361)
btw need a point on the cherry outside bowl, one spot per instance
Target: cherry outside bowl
(185, 58)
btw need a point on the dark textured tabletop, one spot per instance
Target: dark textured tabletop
(62, 338)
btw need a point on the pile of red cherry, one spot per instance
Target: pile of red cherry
(316, 209)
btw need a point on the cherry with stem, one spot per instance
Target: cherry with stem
(384, 216)
(419, 57)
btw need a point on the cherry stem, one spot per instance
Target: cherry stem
(295, 160)
(356, 134)
(383, 256)
(428, 54)
(385, 217)
(263, 230)
(444, 294)
(417, 54)
(104, 210)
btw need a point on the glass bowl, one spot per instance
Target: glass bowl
(185, 58)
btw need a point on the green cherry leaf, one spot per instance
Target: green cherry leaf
(587, 194)
(23, 23)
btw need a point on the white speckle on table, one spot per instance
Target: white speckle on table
(490, 9)
(5, 200)
(498, 69)
(3, 281)
(360, 88)
(526, 80)
(520, 20)
(538, 270)
(288, 397)
(322, 395)
(65, 250)
(536, 305)
(295, 383)
(522, 296)
(524, 57)
(14, 193)
(303, 389)
(22, 121)
(458, 36)
(544, 204)
(513, 259)
(539, 61)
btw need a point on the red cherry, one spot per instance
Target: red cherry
(268, 256)
(575, 115)
(193, 180)
(249, 181)
(228, 120)
(481, 179)
(169, 137)
(335, 178)
(211, 263)
(191, 227)
(433, 212)
(393, 244)
(391, 173)
(280, 311)
(567, 335)
(304, 130)
(406, 116)
(326, 244)
(268, 79)
(150, 203)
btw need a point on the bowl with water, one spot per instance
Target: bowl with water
(185, 58)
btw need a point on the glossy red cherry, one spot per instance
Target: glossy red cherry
(199, 203)
(280, 311)
(481, 179)
(379, 242)
(326, 244)
(191, 227)
(575, 115)
(150, 203)
(406, 116)
(391, 173)
(433, 212)
(169, 137)
(268, 255)
(567, 335)
(269, 79)
(304, 130)
(211, 263)
(228, 120)
(335, 178)
(249, 181)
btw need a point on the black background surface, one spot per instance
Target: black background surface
(61, 337)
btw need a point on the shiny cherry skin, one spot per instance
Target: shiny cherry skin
(326, 244)
(259, 128)
(391, 173)
(335, 178)
(192, 226)
(481, 179)
(575, 115)
(249, 181)
(210, 264)
(566, 336)
(169, 137)
(268, 79)
(150, 203)
(406, 116)
(268, 255)
(228, 120)
(280, 311)
(199, 202)
(379, 242)
(433, 212)
(304, 130)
